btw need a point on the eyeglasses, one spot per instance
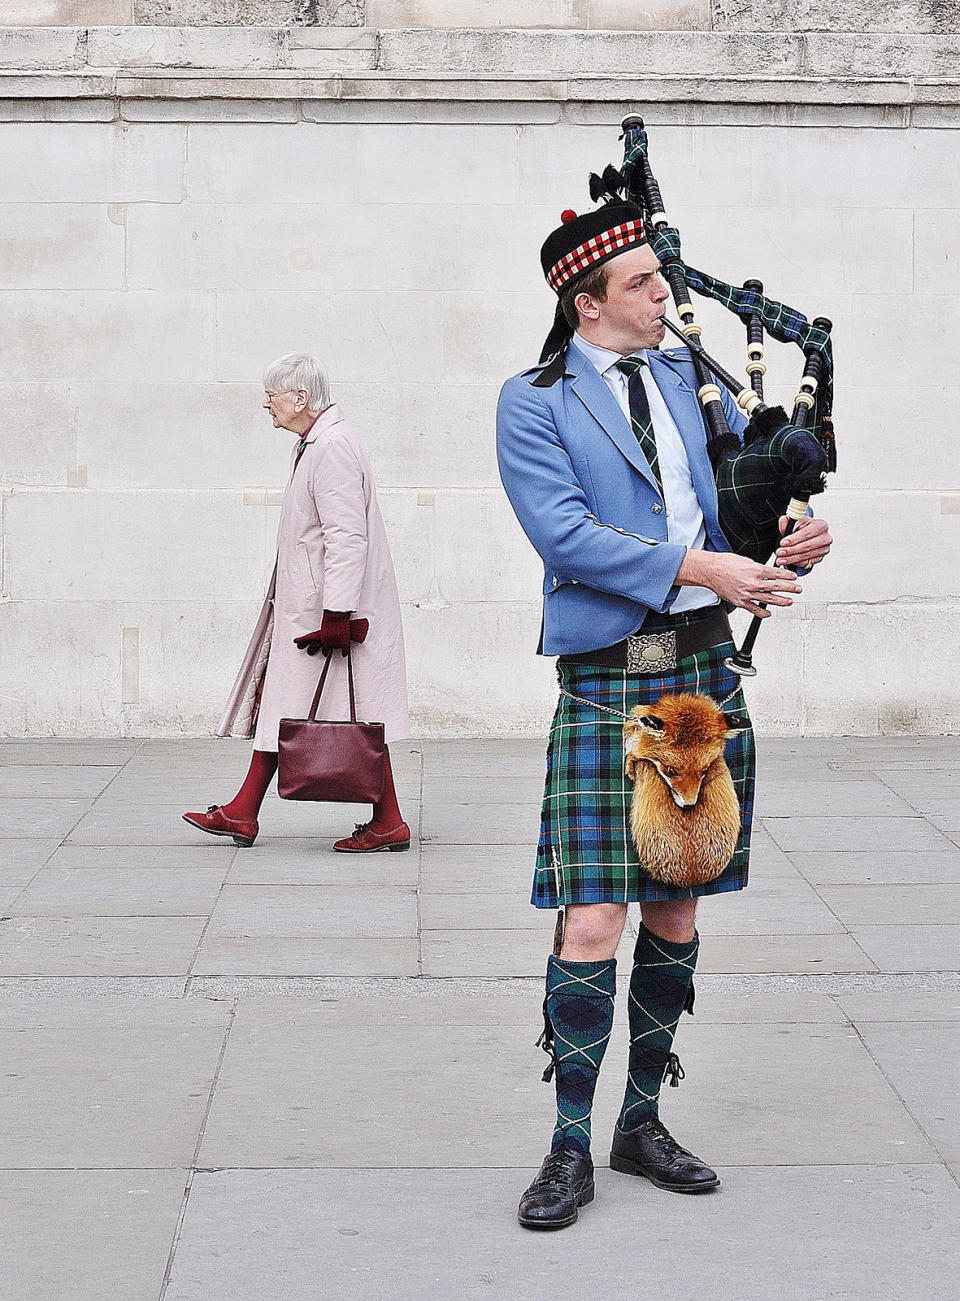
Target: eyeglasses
(281, 392)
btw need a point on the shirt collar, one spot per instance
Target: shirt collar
(603, 358)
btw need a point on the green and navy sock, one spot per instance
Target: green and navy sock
(578, 1018)
(661, 985)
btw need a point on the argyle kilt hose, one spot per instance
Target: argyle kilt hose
(586, 853)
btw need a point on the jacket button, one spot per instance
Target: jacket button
(657, 508)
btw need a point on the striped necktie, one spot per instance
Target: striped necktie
(640, 417)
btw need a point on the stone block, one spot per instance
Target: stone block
(38, 433)
(85, 163)
(412, 534)
(909, 16)
(59, 669)
(55, 245)
(481, 551)
(391, 335)
(323, 246)
(58, 110)
(473, 352)
(431, 164)
(272, 13)
(257, 163)
(66, 13)
(145, 47)
(487, 111)
(106, 336)
(231, 441)
(459, 14)
(208, 110)
(121, 546)
(650, 15)
(495, 247)
(32, 49)
(429, 433)
(884, 56)
(936, 264)
(881, 329)
(581, 53)
(472, 670)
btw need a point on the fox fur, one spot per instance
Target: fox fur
(685, 816)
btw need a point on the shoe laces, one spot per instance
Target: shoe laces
(667, 1142)
(559, 1165)
(360, 829)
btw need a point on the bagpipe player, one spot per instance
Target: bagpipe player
(602, 453)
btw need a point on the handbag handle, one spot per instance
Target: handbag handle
(323, 677)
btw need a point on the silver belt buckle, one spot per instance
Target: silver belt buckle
(653, 653)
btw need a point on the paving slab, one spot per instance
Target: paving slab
(777, 798)
(58, 750)
(58, 781)
(142, 857)
(99, 946)
(874, 905)
(120, 892)
(910, 948)
(906, 1006)
(487, 911)
(40, 819)
(308, 863)
(307, 957)
(142, 824)
(136, 1094)
(450, 788)
(491, 953)
(922, 1062)
(87, 1234)
(477, 869)
(272, 1234)
(481, 824)
(880, 866)
(777, 906)
(309, 911)
(917, 783)
(793, 954)
(839, 834)
(22, 859)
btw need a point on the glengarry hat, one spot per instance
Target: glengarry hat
(581, 243)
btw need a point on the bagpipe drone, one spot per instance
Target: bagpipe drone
(783, 460)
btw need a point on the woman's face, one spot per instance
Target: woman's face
(284, 405)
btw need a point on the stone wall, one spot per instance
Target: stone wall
(181, 205)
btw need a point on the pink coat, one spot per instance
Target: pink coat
(332, 553)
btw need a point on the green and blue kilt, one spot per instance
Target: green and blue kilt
(586, 853)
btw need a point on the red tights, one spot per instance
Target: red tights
(245, 805)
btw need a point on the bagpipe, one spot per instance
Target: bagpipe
(782, 461)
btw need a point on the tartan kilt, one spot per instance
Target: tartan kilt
(586, 853)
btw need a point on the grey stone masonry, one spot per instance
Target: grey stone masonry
(358, 63)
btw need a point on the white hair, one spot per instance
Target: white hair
(299, 371)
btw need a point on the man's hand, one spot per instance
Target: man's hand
(738, 580)
(807, 545)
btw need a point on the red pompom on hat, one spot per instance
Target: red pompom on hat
(568, 214)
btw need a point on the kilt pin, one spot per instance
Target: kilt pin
(573, 466)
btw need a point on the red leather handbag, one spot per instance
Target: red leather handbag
(320, 759)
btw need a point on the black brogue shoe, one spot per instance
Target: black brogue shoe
(652, 1151)
(564, 1184)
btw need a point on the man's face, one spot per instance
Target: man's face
(631, 318)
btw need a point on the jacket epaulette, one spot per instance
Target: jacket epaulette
(549, 372)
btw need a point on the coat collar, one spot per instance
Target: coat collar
(324, 421)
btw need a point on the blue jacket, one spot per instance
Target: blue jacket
(586, 497)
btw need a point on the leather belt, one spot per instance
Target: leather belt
(661, 642)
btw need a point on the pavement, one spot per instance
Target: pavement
(280, 1073)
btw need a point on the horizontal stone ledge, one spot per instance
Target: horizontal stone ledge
(599, 98)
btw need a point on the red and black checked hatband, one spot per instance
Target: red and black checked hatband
(584, 242)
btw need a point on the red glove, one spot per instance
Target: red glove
(333, 634)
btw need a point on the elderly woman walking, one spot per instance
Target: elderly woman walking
(333, 568)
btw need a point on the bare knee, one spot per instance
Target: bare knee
(592, 931)
(671, 919)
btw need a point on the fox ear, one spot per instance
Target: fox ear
(736, 723)
(650, 723)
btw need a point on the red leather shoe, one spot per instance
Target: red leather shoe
(365, 841)
(216, 822)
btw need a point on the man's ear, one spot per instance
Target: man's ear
(587, 306)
